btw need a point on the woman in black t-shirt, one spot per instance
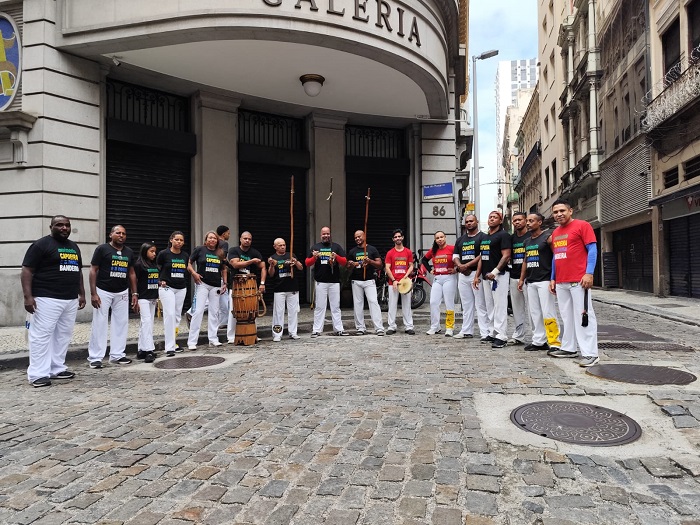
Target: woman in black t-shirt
(208, 275)
(147, 283)
(172, 263)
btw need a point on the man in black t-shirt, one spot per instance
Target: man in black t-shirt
(495, 252)
(52, 284)
(326, 258)
(287, 268)
(364, 264)
(244, 260)
(111, 276)
(467, 257)
(517, 297)
(536, 274)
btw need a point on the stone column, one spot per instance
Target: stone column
(215, 169)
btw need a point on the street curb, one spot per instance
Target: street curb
(650, 310)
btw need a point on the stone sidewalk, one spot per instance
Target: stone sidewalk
(354, 430)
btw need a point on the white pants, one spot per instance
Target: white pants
(497, 306)
(147, 312)
(171, 299)
(224, 308)
(518, 301)
(119, 303)
(444, 287)
(203, 293)
(291, 301)
(231, 322)
(570, 298)
(405, 309)
(329, 292)
(471, 299)
(543, 313)
(360, 290)
(50, 332)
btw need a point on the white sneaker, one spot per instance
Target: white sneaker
(275, 340)
(214, 343)
(458, 335)
(231, 342)
(433, 331)
(294, 336)
(449, 332)
(192, 347)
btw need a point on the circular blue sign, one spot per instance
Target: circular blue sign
(10, 60)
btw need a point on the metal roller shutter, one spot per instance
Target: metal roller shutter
(635, 248)
(679, 256)
(148, 192)
(263, 210)
(694, 254)
(388, 208)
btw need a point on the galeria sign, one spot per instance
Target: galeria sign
(383, 16)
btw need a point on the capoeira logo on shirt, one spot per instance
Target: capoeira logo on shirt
(119, 267)
(152, 279)
(533, 256)
(69, 260)
(325, 255)
(283, 269)
(560, 245)
(486, 249)
(212, 263)
(177, 269)
(469, 251)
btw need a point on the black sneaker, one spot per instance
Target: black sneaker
(95, 364)
(66, 374)
(314, 335)
(498, 343)
(140, 354)
(390, 332)
(360, 332)
(150, 357)
(562, 353)
(486, 340)
(121, 361)
(380, 333)
(410, 331)
(42, 381)
(534, 348)
(170, 353)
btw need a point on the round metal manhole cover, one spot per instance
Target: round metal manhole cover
(576, 423)
(195, 361)
(642, 374)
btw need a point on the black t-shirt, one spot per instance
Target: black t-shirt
(357, 254)
(468, 248)
(539, 258)
(56, 265)
(285, 282)
(147, 281)
(517, 256)
(323, 271)
(208, 265)
(238, 253)
(113, 271)
(491, 246)
(173, 268)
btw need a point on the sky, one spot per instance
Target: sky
(511, 27)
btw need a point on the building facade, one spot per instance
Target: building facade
(182, 116)
(672, 123)
(528, 181)
(625, 165)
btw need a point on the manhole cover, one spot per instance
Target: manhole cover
(642, 374)
(195, 361)
(653, 347)
(615, 332)
(576, 423)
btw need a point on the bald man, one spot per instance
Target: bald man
(287, 269)
(363, 261)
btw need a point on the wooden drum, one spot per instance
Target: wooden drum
(244, 298)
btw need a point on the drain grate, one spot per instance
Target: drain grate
(577, 423)
(654, 347)
(195, 361)
(642, 374)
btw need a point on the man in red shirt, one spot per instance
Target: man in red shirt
(399, 263)
(575, 254)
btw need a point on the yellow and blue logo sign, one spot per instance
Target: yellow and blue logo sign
(10, 60)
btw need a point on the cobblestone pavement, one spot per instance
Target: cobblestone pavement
(345, 430)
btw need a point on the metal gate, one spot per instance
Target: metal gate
(633, 247)
(684, 255)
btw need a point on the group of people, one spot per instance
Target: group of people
(532, 264)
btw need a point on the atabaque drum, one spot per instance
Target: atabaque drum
(244, 298)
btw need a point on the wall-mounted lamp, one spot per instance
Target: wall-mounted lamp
(116, 61)
(312, 84)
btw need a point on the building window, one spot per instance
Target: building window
(692, 168)
(546, 128)
(546, 179)
(671, 177)
(554, 176)
(671, 44)
(694, 27)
